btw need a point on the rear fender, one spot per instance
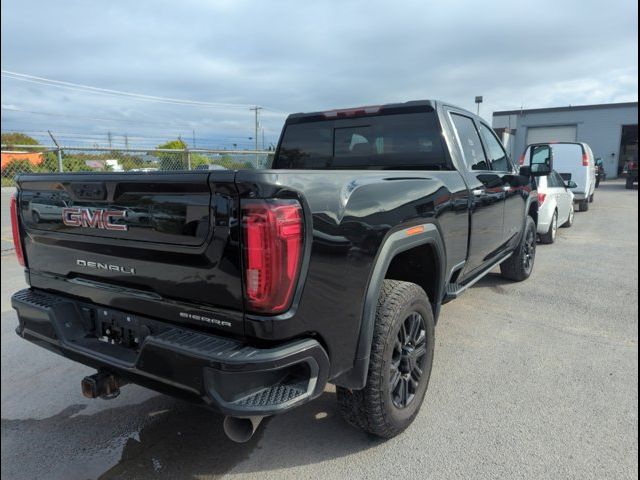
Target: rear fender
(396, 242)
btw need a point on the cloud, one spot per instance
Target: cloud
(304, 56)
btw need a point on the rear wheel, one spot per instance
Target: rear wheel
(591, 197)
(629, 184)
(569, 221)
(518, 267)
(399, 365)
(583, 205)
(550, 236)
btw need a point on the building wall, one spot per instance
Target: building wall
(34, 158)
(600, 127)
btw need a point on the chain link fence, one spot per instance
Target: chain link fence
(18, 159)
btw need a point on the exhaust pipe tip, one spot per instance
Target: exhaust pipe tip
(241, 429)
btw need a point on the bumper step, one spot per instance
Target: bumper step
(227, 374)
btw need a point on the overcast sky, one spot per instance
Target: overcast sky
(301, 56)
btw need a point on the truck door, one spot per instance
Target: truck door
(501, 165)
(487, 192)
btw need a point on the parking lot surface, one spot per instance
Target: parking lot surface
(531, 380)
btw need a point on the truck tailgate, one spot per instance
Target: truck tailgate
(138, 241)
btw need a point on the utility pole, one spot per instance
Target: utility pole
(126, 141)
(263, 139)
(109, 138)
(256, 109)
(194, 138)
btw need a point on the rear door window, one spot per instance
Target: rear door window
(497, 155)
(474, 156)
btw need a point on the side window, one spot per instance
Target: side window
(497, 155)
(472, 149)
(559, 180)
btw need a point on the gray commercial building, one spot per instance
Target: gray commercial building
(611, 130)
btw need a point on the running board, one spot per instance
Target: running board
(454, 290)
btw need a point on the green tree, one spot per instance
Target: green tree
(11, 139)
(198, 159)
(172, 160)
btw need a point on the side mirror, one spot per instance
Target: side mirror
(571, 184)
(541, 160)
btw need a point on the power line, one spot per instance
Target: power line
(138, 140)
(116, 120)
(119, 93)
(84, 117)
(131, 137)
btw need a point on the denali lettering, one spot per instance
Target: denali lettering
(201, 318)
(84, 217)
(105, 266)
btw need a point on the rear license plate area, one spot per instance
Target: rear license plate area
(117, 328)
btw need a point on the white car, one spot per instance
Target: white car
(575, 162)
(555, 200)
(44, 209)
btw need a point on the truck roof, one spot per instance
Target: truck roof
(414, 105)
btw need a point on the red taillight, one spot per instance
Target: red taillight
(541, 197)
(16, 231)
(273, 233)
(522, 159)
(585, 160)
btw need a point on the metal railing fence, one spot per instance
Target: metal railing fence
(17, 159)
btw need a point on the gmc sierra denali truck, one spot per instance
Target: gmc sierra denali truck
(248, 291)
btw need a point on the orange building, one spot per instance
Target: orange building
(34, 158)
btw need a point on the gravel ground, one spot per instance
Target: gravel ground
(530, 380)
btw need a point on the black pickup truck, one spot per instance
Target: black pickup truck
(248, 291)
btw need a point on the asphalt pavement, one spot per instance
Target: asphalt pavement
(531, 380)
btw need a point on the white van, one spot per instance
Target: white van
(575, 162)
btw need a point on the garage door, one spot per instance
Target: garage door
(562, 133)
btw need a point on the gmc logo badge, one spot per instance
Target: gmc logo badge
(84, 217)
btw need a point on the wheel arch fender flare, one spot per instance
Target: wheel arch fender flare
(532, 202)
(396, 242)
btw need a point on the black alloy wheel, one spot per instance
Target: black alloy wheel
(529, 251)
(408, 360)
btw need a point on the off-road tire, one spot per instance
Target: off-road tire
(373, 408)
(550, 236)
(515, 267)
